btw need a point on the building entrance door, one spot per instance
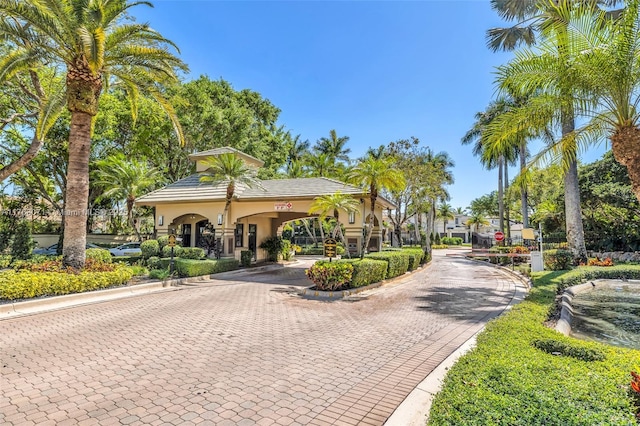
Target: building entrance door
(253, 230)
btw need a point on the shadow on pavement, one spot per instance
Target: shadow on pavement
(464, 302)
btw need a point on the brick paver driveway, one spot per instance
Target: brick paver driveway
(243, 351)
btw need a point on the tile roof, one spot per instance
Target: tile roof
(223, 150)
(191, 190)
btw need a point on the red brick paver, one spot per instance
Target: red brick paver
(244, 351)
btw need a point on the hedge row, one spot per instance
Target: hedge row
(398, 261)
(366, 271)
(25, 284)
(523, 373)
(193, 268)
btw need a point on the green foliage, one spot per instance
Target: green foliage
(191, 253)
(26, 284)
(330, 276)
(163, 240)
(558, 260)
(273, 245)
(398, 261)
(452, 241)
(439, 246)
(245, 258)
(286, 250)
(366, 271)
(194, 268)
(150, 248)
(22, 243)
(128, 260)
(153, 262)
(312, 251)
(506, 375)
(166, 251)
(159, 274)
(571, 348)
(415, 257)
(436, 239)
(100, 255)
(589, 273)
(139, 270)
(5, 260)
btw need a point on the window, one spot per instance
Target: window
(160, 220)
(239, 233)
(352, 217)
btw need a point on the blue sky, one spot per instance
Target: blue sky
(374, 71)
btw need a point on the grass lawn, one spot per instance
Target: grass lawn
(524, 373)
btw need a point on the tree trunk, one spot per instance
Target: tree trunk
(507, 209)
(524, 195)
(132, 223)
(500, 194)
(25, 159)
(365, 245)
(77, 193)
(625, 144)
(312, 235)
(573, 211)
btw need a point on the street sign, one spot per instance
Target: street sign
(330, 248)
(172, 240)
(499, 236)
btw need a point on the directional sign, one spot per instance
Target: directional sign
(499, 236)
(172, 240)
(330, 249)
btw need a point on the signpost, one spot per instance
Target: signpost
(330, 248)
(499, 236)
(172, 244)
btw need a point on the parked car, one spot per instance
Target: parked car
(53, 249)
(129, 249)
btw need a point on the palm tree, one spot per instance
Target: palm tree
(445, 212)
(477, 220)
(126, 180)
(331, 205)
(460, 211)
(374, 175)
(227, 169)
(320, 165)
(297, 150)
(97, 44)
(333, 147)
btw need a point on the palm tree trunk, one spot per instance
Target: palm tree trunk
(77, 192)
(223, 247)
(524, 195)
(507, 193)
(306, 227)
(624, 143)
(573, 212)
(500, 194)
(365, 246)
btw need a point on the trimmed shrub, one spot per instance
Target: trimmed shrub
(191, 253)
(245, 258)
(452, 241)
(127, 260)
(194, 268)
(558, 260)
(366, 271)
(150, 248)
(285, 252)
(25, 284)
(574, 350)
(398, 261)
(166, 251)
(330, 276)
(273, 246)
(100, 255)
(316, 251)
(153, 262)
(159, 274)
(22, 243)
(163, 240)
(439, 246)
(415, 257)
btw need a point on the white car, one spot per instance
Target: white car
(129, 249)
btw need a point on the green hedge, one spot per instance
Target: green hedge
(330, 276)
(415, 257)
(398, 261)
(510, 378)
(366, 271)
(245, 258)
(98, 254)
(150, 248)
(166, 251)
(193, 268)
(191, 253)
(128, 260)
(25, 284)
(557, 260)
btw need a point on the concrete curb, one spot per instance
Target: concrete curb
(414, 410)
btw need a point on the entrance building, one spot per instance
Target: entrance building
(194, 210)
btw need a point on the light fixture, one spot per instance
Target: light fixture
(160, 220)
(219, 218)
(352, 217)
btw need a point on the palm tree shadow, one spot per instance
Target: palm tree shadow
(464, 302)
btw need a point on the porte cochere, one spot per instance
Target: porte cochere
(194, 210)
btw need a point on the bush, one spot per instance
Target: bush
(273, 246)
(153, 262)
(159, 274)
(150, 248)
(127, 260)
(25, 284)
(439, 246)
(598, 262)
(286, 250)
(166, 251)
(330, 276)
(506, 375)
(398, 261)
(245, 258)
(139, 270)
(415, 257)
(436, 239)
(452, 241)
(22, 243)
(5, 260)
(194, 268)
(558, 260)
(316, 251)
(163, 240)
(366, 271)
(191, 253)
(100, 255)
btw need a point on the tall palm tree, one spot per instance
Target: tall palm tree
(125, 179)
(97, 44)
(297, 150)
(445, 212)
(333, 146)
(320, 165)
(374, 175)
(477, 220)
(331, 205)
(227, 169)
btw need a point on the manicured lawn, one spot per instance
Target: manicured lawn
(507, 380)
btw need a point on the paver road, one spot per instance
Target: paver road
(243, 351)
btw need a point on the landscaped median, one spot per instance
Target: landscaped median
(349, 274)
(522, 372)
